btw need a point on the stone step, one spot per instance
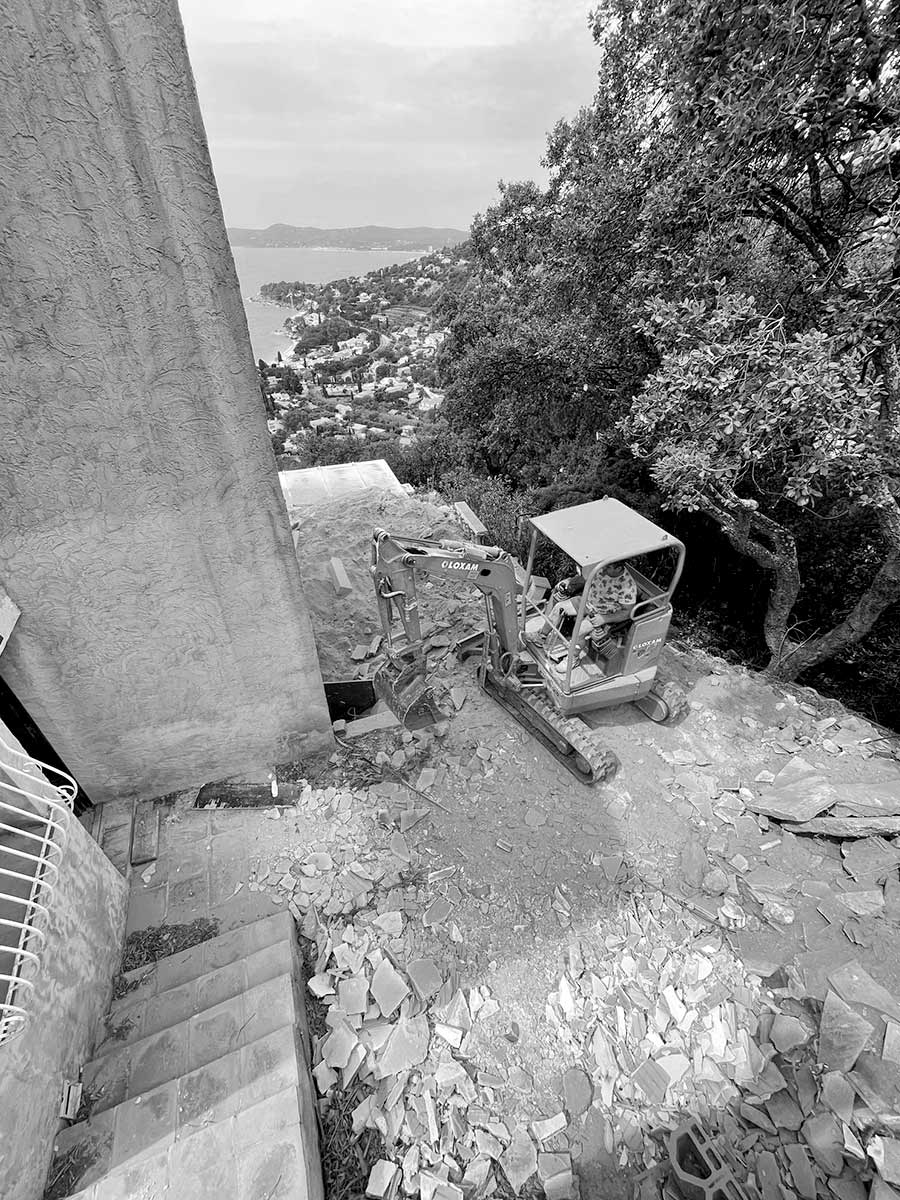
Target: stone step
(266, 1150)
(130, 1020)
(131, 1070)
(221, 951)
(153, 1122)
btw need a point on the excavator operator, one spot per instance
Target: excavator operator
(612, 594)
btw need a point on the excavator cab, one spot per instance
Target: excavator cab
(586, 661)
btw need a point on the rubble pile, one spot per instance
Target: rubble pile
(803, 1096)
(800, 794)
(655, 1019)
(769, 858)
(393, 1028)
(397, 1028)
(795, 722)
(838, 1092)
(342, 873)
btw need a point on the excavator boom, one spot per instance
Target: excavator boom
(507, 672)
(395, 561)
(402, 681)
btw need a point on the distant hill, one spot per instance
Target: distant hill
(362, 237)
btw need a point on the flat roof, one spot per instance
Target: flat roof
(310, 485)
(602, 530)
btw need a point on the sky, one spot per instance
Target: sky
(388, 112)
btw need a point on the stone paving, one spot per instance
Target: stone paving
(207, 859)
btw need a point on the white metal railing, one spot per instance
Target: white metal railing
(35, 808)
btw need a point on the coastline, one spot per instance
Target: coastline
(256, 266)
(337, 249)
(257, 299)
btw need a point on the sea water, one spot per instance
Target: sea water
(257, 265)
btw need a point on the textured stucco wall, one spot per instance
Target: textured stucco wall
(164, 638)
(72, 992)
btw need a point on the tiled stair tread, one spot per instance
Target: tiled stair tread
(133, 1019)
(265, 1152)
(130, 1070)
(208, 956)
(176, 1109)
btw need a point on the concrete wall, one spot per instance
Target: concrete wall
(81, 956)
(164, 637)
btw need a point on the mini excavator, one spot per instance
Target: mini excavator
(542, 657)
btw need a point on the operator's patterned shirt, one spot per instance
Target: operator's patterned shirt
(609, 594)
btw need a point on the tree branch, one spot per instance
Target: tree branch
(768, 208)
(815, 183)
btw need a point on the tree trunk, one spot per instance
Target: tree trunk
(883, 591)
(771, 546)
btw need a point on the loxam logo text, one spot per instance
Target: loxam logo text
(643, 648)
(454, 564)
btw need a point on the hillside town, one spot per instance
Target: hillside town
(363, 366)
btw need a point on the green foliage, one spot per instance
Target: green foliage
(739, 407)
(421, 463)
(328, 333)
(499, 506)
(295, 419)
(710, 283)
(332, 367)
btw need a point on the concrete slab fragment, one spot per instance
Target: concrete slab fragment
(389, 988)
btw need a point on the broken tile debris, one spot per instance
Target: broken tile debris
(657, 1018)
(842, 1034)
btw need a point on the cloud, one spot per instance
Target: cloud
(420, 106)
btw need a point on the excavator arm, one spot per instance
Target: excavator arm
(507, 671)
(395, 561)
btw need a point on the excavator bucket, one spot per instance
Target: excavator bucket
(404, 689)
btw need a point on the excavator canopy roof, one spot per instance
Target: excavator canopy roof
(602, 531)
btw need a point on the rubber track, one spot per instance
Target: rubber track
(542, 720)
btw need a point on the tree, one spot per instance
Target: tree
(742, 421)
(791, 113)
(717, 253)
